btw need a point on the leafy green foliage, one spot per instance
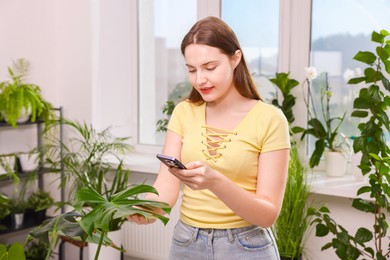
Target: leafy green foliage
(4, 206)
(18, 97)
(95, 216)
(40, 200)
(101, 194)
(162, 124)
(293, 221)
(15, 251)
(325, 131)
(371, 105)
(285, 85)
(87, 158)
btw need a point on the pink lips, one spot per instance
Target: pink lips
(206, 90)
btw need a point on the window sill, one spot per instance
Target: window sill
(345, 186)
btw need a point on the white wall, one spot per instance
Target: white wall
(79, 52)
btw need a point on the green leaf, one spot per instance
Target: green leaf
(359, 113)
(378, 37)
(364, 189)
(363, 235)
(356, 80)
(324, 209)
(321, 230)
(360, 103)
(15, 251)
(363, 205)
(366, 57)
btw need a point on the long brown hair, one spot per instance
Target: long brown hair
(214, 32)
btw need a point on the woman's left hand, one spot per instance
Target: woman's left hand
(197, 176)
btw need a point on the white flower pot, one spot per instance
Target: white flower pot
(29, 161)
(336, 163)
(107, 252)
(17, 219)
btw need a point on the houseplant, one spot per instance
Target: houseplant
(90, 160)
(87, 158)
(17, 207)
(35, 250)
(285, 85)
(39, 201)
(292, 225)
(372, 105)
(324, 129)
(18, 97)
(95, 216)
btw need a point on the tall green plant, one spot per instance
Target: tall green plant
(292, 225)
(293, 222)
(371, 104)
(87, 158)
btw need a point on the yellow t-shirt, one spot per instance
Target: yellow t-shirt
(263, 129)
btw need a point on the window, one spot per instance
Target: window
(162, 74)
(335, 40)
(256, 24)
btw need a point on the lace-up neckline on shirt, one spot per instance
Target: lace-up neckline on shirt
(214, 142)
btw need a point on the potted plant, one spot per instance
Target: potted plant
(371, 104)
(39, 201)
(86, 222)
(91, 161)
(18, 98)
(292, 225)
(17, 207)
(35, 250)
(324, 129)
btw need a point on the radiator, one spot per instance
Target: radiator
(150, 241)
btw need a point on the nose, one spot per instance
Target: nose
(200, 78)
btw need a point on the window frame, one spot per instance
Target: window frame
(294, 54)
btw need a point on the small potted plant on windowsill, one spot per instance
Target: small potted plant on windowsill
(21, 101)
(325, 129)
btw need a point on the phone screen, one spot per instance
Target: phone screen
(170, 161)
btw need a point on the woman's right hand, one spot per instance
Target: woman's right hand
(140, 220)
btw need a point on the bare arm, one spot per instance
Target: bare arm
(167, 185)
(261, 208)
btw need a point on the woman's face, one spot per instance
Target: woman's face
(211, 71)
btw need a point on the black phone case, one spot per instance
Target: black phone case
(170, 161)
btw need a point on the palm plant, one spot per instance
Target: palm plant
(87, 158)
(100, 194)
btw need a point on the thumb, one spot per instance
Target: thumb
(194, 165)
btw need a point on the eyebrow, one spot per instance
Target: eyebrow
(204, 64)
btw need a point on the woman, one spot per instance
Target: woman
(235, 149)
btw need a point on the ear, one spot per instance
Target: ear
(236, 58)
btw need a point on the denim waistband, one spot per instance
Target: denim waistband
(214, 232)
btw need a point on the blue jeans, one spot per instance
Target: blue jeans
(245, 243)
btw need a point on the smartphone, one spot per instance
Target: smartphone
(170, 161)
